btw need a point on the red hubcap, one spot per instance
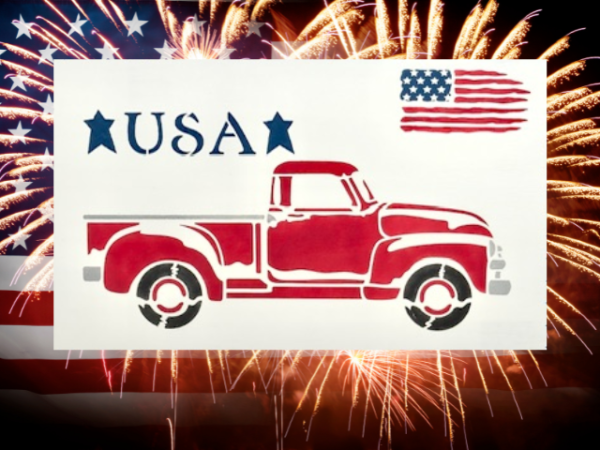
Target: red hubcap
(436, 297)
(160, 306)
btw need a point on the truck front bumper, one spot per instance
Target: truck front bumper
(497, 285)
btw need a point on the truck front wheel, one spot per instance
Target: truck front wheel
(439, 295)
(172, 295)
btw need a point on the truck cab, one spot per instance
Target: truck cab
(322, 221)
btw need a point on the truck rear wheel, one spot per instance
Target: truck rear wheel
(439, 295)
(172, 295)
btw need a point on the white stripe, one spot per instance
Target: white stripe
(10, 266)
(136, 409)
(36, 342)
(454, 104)
(462, 124)
(31, 342)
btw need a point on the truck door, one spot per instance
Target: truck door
(317, 231)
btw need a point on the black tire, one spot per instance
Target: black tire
(440, 320)
(176, 273)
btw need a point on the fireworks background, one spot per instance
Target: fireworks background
(237, 400)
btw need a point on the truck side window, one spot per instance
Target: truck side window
(280, 191)
(320, 192)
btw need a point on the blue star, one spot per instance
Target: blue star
(100, 132)
(279, 134)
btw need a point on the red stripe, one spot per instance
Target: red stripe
(446, 110)
(485, 81)
(490, 91)
(489, 100)
(475, 73)
(460, 119)
(456, 129)
(26, 308)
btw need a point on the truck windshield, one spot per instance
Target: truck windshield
(363, 188)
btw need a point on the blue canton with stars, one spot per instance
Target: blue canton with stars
(84, 27)
(426, 85)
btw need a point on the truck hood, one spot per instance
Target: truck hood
(399, 219)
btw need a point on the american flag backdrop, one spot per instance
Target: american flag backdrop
(461, 101)
(39, 386)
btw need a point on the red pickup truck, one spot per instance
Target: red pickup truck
(325, 237)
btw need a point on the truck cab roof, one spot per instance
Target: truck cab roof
(315, 167)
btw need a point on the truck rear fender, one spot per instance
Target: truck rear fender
(101, 235)
(394, 258)
(191, 235)
(128, 256)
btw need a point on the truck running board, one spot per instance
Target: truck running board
(300, 292)
(246, 284)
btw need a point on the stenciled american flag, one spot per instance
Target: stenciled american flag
(463, 101)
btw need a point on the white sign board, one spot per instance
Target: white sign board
(300, 205)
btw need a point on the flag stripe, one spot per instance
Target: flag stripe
(134, 409)
(490, 91)
(33, 342)
(88, 375)
(26, 308)
(26, 342)
(447, 110)
(147, 375)
(475, 73)
(489, 100)
(456, 129)
(485, 81)
(13, 276)
(465, 120)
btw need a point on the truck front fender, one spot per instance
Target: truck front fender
(394, 258)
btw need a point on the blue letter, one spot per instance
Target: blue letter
(131, 133)
(239, 133)
(195, 134)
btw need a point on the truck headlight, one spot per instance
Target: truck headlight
(491, 249)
